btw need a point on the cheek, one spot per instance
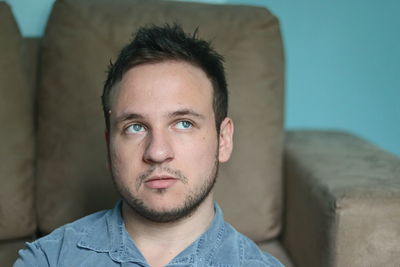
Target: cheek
(123, 149)
(115, 162)
(121, 158)
(123, 167)
(201, 152)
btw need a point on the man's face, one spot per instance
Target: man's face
(163, 145)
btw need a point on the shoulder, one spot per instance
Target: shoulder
(73, 230)
(45, 250)
(243, 251)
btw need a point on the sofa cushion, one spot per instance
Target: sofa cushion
(80, 40)
(276, 249)
(342, 197)
(9, 251)
(17, 218)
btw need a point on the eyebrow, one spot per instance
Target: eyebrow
(177, 113)
(185, 112)
(128, 116)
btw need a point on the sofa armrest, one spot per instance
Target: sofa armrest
(342, 198)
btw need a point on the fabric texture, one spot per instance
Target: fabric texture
(101, 239)
(343, 199)
(81, 39)
(17, 217)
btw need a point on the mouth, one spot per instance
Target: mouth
(160, 182)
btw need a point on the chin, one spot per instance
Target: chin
(164, 211)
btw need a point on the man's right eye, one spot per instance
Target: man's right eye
(135, 128)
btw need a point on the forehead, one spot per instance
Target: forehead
(156, 86)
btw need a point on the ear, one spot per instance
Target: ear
(225, 140)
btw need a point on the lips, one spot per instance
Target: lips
(160, 182)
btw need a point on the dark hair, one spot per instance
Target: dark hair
(157, 44)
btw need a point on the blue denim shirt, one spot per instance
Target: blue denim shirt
(101, 239)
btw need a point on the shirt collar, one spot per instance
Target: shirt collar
(109, 235)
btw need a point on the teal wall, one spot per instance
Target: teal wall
(342, 62)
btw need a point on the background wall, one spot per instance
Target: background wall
(342, 62)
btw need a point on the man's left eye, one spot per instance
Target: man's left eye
(184, 125)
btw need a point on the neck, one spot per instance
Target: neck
(161, 242)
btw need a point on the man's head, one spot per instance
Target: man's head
(165, 139)
(157, 44)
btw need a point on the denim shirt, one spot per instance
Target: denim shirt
(101, 239)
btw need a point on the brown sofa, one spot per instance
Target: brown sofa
(311, 198)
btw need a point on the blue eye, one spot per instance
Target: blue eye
(135, 128)
(184, 125)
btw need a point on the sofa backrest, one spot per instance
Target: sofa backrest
(17, 142)
(81, 38)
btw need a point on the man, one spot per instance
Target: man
(165, 105)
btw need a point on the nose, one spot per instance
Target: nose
(158, 148)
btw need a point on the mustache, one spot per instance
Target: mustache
(173, 172)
